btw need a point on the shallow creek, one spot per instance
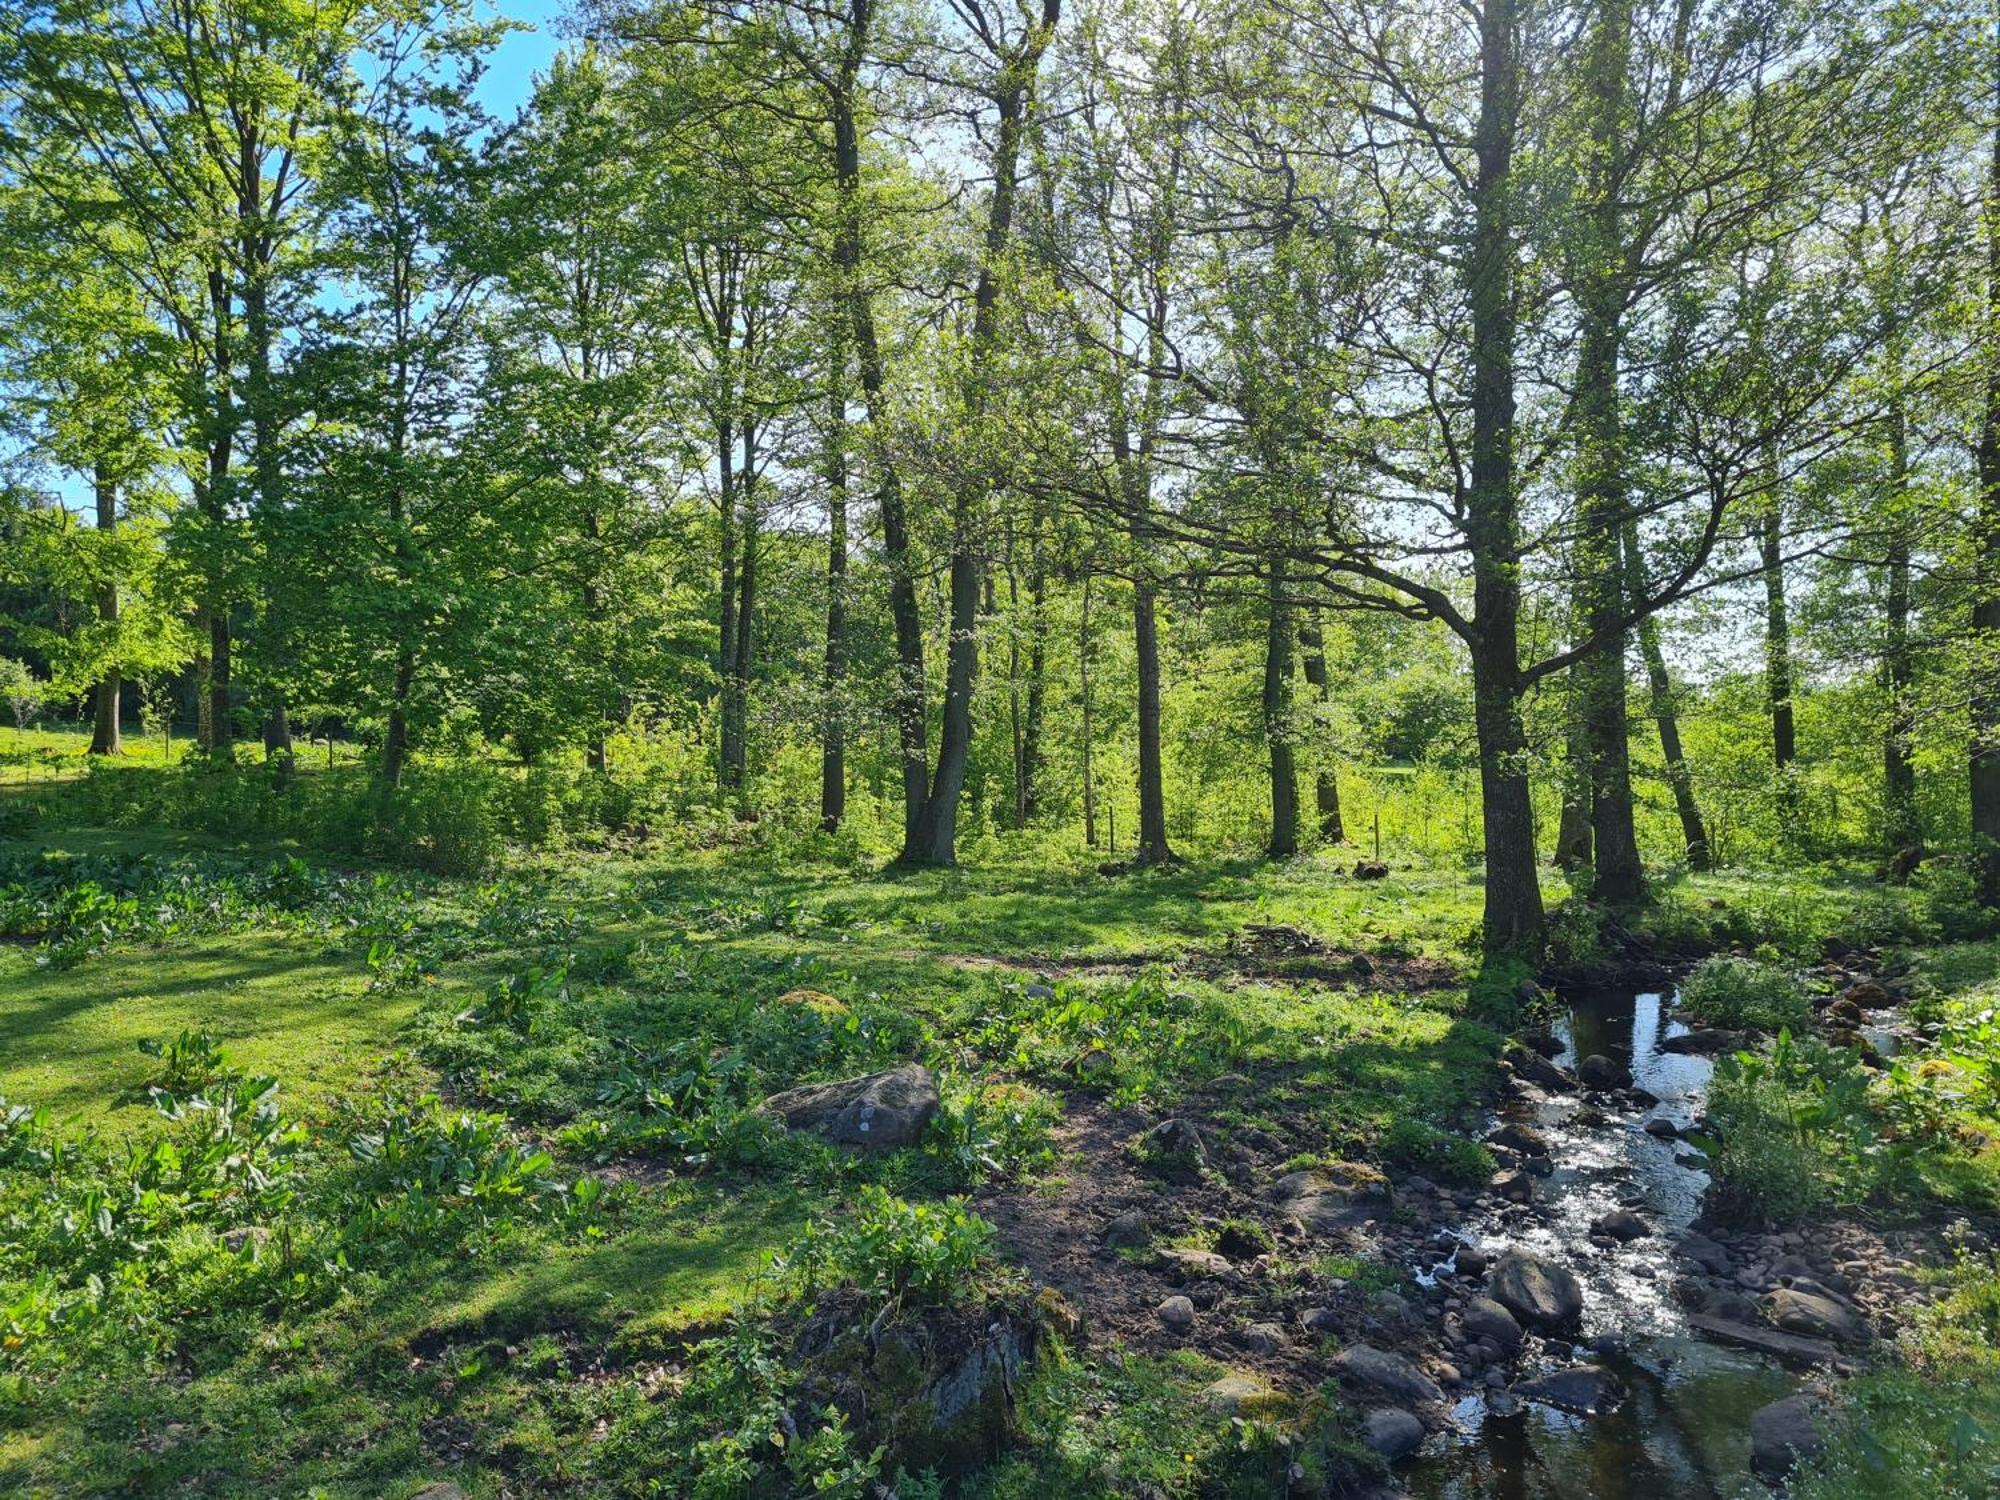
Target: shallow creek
(1682, 1430)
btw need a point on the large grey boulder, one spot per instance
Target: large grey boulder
(1538, 1070)
(1391, 1374)
(882, 1110)
(1540, 1295)
(1600, 1072)
(1781, 1435)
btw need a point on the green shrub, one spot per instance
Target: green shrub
(1741, 992)
(893, 1251)
(1437, 1154)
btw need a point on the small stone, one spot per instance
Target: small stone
(1392, 1433)
(1515, 1187)
(1039, 992)
(1524, 1140)
(1262, 1338)
(234, 1240)
(1177, 1313)
(1320, 1320)
(1705, 1041)
(1127, 1229)
(1661, 1129)
(1471, 1261)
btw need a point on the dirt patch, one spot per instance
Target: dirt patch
(1074, 1233)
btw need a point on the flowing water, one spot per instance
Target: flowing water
(1682, 1431)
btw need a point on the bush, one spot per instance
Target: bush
(1438, 1154)
(1743, 993)
(893, 1251)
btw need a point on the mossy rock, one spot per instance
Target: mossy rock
(817, 1001)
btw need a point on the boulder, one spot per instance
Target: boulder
(1127, 1229)
(1790, 1347)
(1391, 1374)
(1705, 1253)
(1600, 1072)
(881, 1110)
(1338, 1198)
(1622, 1225)
(1662, 1129)
(1585, 1390)
(1175, 1140)
(1470, 1260)
(1814, 1317)
(1262, 1338)
(1781, 1435)
(1524, 1140)
(1486, 1319)
(1539, 1295)
(1704, 1041)
(1515, 1187)
(1177, 1313)
(1538, 1070)
(1238, 1394)
(1391, 1433)
(1191, 1265)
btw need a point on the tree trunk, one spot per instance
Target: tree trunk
(1514, 918)
(1777, 624)
(1618, 877)
(1153, 846)
(1903, 832)
(1277, 709)
(1326, 787)
(1083, 692)
(730, 765)
(1573, 839)
(104, 732)
(746, 607)
(1038, 660)
(833, 734)
(908, 689)
(1984, 761)
(396, 743)
(1694, 836)
(936, 841)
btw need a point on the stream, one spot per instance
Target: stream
(1682, 1430)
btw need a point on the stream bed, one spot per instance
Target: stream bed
(1682, 1429)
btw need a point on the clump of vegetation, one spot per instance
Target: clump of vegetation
(1744, 993)
(1441, 1155)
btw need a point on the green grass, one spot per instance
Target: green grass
(497, 1357)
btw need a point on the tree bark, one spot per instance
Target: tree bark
(1573, 832)
(1083, 692)
(104, 732)
(730, 764)
(833, 730)
(1903, 832)
(1277, 709)
(936, 841)
(1617, 875)
(396, 743)
(1984, 760)
(1514, 919)
(1028, 800)
(1694, 836)
(746, 606)
(1326, 786)
(908, 690)
(1777, 623)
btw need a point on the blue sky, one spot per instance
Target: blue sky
(510, 77)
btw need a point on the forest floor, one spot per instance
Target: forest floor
(512, 1222)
